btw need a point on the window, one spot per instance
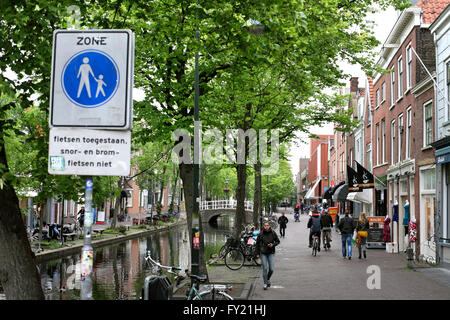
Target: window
(428, 124)
(392, 86)
(408, 66)
(400, 76)
(400, 132)
(393, 142)
(351, 156)
(383, 92)
(408, 133)
(360, 108)
(377, 95)
(129, 199)
(377, 154)
(369, 156)
(369, 115)
(358, 143)
(448, 88)
(429, 179)
(383, 141)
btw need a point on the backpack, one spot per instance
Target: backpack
(315, 227)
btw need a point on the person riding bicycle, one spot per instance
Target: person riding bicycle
(327, 223)
(315, 226)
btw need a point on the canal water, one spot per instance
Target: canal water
(119, 270)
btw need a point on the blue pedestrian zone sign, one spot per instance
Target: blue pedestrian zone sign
(90, 78)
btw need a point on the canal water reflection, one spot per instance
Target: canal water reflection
(119, 270)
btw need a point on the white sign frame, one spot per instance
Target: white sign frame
(89, 152)
(116, 112)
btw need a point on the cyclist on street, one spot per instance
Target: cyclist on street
(327, 223)
(315, 225)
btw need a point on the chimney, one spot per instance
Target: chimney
(354, 96)
(353, 84)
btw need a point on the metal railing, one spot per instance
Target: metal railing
(224, 204)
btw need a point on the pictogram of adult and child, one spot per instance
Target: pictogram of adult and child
(83, 73)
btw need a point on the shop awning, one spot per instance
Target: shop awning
(341, 193)
(330, 191)
(311, 192)
(365, 196)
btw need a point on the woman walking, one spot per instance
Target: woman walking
(362, 229)
(265, 248)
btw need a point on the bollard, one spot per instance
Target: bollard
(410, 257)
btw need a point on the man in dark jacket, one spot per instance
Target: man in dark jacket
(346, 226)
(282, 221)
(265, 248)
(315, 225)
(327, 223)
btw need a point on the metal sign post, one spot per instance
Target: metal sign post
(87, 252)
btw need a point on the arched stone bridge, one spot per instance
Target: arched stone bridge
(211, 210)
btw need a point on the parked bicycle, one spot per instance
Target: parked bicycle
(229, 243)
(207, 292)
(157, 267)
(237, 254)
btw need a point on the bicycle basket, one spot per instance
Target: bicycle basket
(233, 243)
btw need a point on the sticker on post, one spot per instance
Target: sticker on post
(87, 262)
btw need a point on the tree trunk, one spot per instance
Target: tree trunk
(240, 219)
(257, 198)
(174, 188)
(18, 273)
(117, 206)
(187, 176)
(201, 187)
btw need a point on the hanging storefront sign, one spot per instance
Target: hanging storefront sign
(354, 180)
(366, 176)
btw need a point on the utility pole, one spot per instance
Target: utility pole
(195, 250)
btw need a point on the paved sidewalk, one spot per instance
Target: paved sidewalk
(298, 275)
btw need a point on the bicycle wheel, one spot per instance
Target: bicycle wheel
(314, 250)
(207, 295)
(234, 259)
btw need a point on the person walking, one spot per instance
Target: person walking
(336, 221)
(266, 242)
(282, 221)
(346, 226)
(362, 229)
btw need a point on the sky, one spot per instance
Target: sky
(384, 21)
